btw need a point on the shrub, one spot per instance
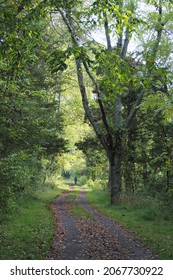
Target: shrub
(82, 180)
(166, 204)
(97, 184)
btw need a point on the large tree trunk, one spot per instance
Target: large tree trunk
(115, 176)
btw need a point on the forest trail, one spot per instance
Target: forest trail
(90, 235)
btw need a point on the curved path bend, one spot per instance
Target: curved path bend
(94, 236)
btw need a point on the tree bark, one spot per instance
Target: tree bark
(106, 26)
(115, 176)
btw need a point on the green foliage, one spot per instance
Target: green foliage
(82, 180)
(166, 204)
(160, 103)
(28, 111)
(115, 73)
(97, 184)
(96, 161)
(57, 61)
(7, 200)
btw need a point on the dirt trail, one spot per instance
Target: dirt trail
(95, 237)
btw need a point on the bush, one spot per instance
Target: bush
(82, 180)
(20, 173)
(166, 204)
(97, 184)
(7, 202)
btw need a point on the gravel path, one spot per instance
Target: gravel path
(91, 237)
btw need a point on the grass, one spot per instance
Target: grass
(29, 232)
(146, 221)
(73, 194)
(76, 210)
(80, 212)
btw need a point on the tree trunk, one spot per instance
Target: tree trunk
(115, 180)
(168, 180)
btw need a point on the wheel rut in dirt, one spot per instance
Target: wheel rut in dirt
(92, 236)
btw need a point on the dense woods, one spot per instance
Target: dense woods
(86, 90)
(31, 130)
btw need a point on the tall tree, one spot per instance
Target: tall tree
(114, 73)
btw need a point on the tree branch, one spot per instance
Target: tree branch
(106, 26)
(85, 101)
(126, 43)
(159, 32)
(134, 109)
(99, 99)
